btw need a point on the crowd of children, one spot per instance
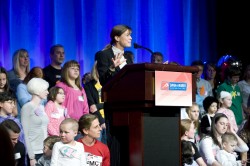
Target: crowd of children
(223, 127)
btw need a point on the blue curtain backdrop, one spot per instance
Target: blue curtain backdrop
(183, 30)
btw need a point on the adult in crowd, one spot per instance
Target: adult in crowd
(19, 148)
(95, 151)
(244, 134)
(22, 94)
(6, 150)
(93, 91)
(187, 134)
(212, 143)
(21, 67)
(52, 72)
(112, 59)
(204, 88)
(34, 119)
(210, 75)
(157, 57)
(245, 89)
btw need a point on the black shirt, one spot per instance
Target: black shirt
(51, 75)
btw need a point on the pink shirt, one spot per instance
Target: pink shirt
(56, 116)
(75, 101)
(230, 115)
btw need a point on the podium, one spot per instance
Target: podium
(148, 134)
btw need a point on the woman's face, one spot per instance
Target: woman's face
(3, 80)
(191, 131)
(221, 125)
(210, 72)
(194, 113)
(95, 130)
(124, 40)
(24, 59)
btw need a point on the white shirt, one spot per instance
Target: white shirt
(227, 159)
(67, 155)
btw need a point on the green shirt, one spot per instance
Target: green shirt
(236, 99)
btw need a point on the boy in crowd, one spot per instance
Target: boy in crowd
(48, 144)
(7, 103)
(227, 156)
(19, 148)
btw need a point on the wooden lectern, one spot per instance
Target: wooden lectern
(148, 134)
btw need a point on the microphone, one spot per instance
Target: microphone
(139, 46)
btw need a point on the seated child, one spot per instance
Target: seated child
(48, 144)
(19, 148)
(68, 152)
(210, 105)
(187, 153)
(227, 156)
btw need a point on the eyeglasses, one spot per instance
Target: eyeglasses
(10, 102)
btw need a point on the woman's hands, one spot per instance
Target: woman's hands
(118, 60)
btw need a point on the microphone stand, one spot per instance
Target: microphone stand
(139, 46)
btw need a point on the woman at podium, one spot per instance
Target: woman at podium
(112, 59)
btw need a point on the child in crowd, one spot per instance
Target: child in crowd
(19, 148)
(95, 151)
(7, 103)
(187, 130)
(210, 105)
(5, 87)
(187, 153)
(75, 96)
(226, 156)
(226, 102)
(230, 85)
(4, 83)
(55, 110)
(68, 152)
(192, 113)
(48, 144)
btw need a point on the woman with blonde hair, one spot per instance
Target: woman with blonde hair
(21, 67)
(22, 94)
(187, 133)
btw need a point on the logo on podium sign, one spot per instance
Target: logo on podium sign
(173, 88)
